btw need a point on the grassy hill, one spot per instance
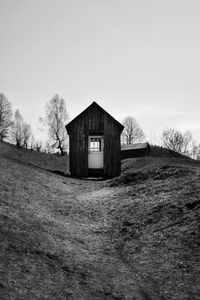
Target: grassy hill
(133, 237)
(38, 159)
(156, 225)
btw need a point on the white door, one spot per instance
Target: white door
(95, 152)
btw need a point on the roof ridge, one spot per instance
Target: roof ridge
(93, 103)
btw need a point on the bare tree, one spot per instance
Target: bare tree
(27, 134)
(56, 119)
(48, 147)
(132, 131)
(177, 141)
(5, 117)
(21, 131)
(38, 146)
(195, 151)
(32, 142)
(17, 129)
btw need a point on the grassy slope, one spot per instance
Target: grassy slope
(155, 218)
(133, 237)
(54, 238)
(35, 158)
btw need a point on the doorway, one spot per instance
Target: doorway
(95, 152)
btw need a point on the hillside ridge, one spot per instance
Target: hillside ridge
(132, 237)
(41, 160)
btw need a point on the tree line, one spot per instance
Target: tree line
(13, 128)
(171, 139)
(19, 132)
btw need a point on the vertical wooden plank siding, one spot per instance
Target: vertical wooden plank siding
(94, 120)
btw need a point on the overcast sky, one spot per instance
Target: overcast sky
(133, 57)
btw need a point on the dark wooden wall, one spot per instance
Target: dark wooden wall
(94, 121)
(112, 161)
(131, 153)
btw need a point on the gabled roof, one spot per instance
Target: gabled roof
(85, 110)
(134, 146)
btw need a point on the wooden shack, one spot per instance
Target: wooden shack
(135, 150)
(94, 143)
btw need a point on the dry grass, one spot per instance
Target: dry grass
(127, 238)
(54, 240)
(38, 159)
(155, 218)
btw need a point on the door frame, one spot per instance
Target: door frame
(95, 150)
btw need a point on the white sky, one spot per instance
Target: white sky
(133, 57)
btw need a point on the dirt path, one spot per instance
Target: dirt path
(55, 239)
(106, 275)
(64, 238)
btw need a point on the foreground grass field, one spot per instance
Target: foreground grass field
(133, 237)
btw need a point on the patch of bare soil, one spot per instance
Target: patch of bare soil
(64, 238)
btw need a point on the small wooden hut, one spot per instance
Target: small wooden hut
(94, 143)
(135, 150)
